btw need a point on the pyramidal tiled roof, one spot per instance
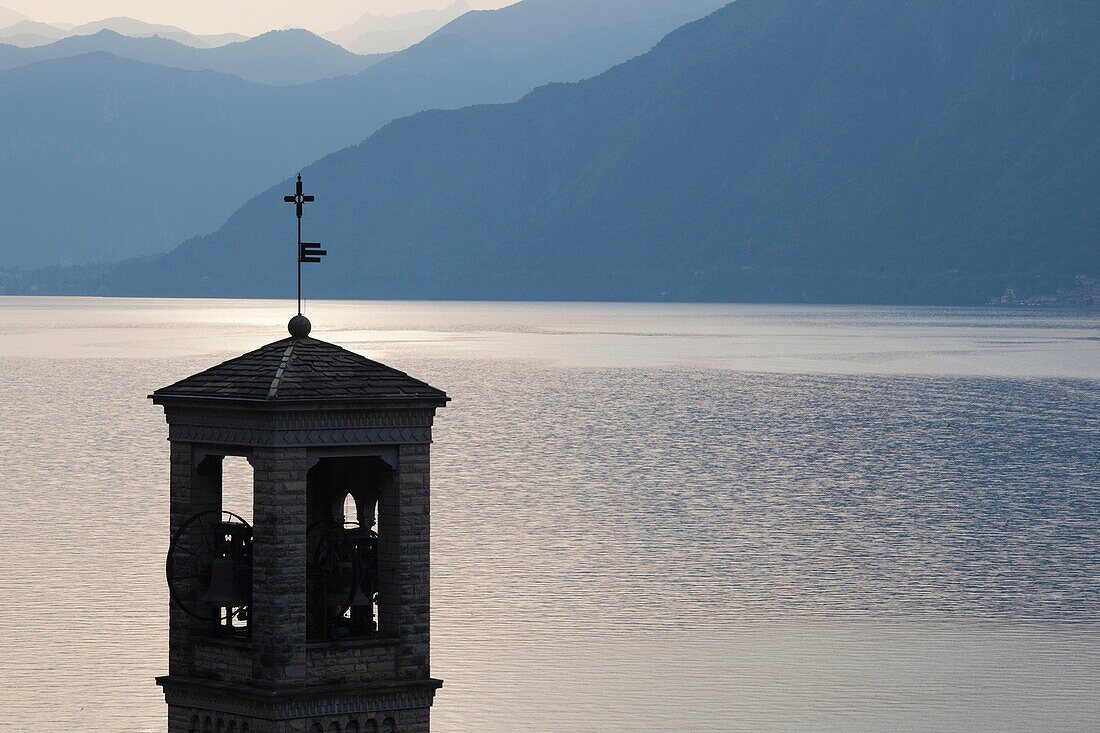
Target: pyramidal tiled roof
(302, 370)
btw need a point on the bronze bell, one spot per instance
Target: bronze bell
(224, 591)
(338, 589)
(361, 599)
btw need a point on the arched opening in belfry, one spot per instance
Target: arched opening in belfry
(389, 726)
(237, 481)
(209, 563)
(351, 509)
(359, 508)
(348, 578)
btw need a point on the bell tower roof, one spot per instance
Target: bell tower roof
(301, 370)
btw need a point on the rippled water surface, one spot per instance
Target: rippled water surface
(691, 518)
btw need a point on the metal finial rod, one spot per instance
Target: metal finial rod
(299, 251)
(307, 251)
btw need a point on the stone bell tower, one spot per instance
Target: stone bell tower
(313, 619)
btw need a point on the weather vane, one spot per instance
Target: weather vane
(307, 251)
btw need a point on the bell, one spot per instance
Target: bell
(224, 592)
(336, 594)
(361, 599)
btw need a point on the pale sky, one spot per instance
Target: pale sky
(224, 16)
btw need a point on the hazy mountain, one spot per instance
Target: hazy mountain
(827, 150)
(277, 58)
(379, 33)
(25, 40)
(523, 28)
(577, 38)
(141, 29)
(29, 33)
(10, 17)
(118, 158)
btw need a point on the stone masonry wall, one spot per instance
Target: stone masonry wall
(414, 558)
(279, 567)
(223, 661)
(193, 489)
(351, 662)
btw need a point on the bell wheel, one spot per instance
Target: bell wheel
(333, 567)
(209, 567)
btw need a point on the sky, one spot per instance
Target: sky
(228, 16)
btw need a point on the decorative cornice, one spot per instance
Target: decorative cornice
(301, 703)
(298, 438)
(318, 417)
(301, 428)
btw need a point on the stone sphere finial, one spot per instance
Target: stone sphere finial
(299, 326)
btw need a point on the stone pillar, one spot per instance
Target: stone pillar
(279, 567)
(193, 489)
(413, 561)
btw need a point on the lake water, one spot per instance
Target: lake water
(645, 517)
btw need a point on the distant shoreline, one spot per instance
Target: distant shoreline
(1021, 307)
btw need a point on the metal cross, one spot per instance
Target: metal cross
(298, 199)
(307, 251)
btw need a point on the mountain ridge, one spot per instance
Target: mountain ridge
(68, 132)
(9, 17)
(830, 151)
(380, 33)
(276, 58)
(29, 33)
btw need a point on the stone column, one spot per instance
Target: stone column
(279, 567)
(193, 489)
(413, 561)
